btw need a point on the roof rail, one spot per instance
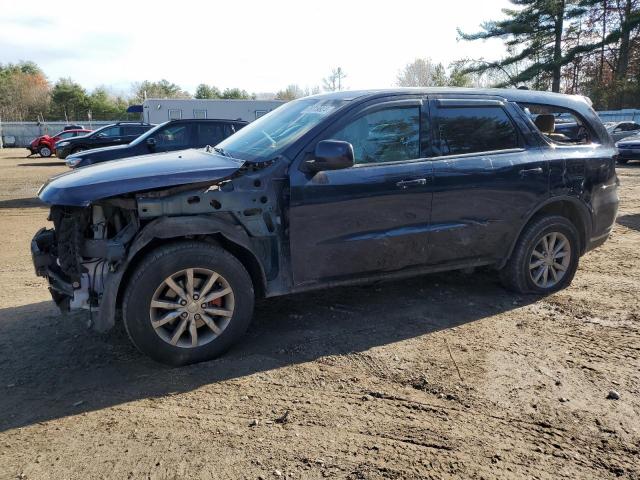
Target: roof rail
(131, 123)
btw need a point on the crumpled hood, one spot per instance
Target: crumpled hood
(129, 175)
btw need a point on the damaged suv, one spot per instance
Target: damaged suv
(328, 190)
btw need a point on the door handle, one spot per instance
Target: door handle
(411, 183)
(531, 171)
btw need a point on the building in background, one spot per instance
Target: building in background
(159, 110)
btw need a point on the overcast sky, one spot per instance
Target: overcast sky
(260, 46)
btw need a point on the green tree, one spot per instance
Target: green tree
(161, 89)
(204, 91)
(290, 93)
(24, 91)
(532, 31)
(236, 93)
(69, 100)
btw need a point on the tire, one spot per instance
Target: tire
(45, 151)
(517, 274)
(622, 161)
(148, 283)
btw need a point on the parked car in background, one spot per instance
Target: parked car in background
(115, 134)
(169, 136)
(328, 190)
(628, 149)
(45, 144)
(620, 130)
(73, 127)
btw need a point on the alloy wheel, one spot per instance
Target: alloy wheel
(191, 307)
(550, 260)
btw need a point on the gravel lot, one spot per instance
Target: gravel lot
(441, 376)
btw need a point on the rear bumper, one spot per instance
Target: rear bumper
(605, 203)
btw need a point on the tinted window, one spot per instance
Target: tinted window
(210, 133)
(474, 129)
(384, 136)
(109, 132)
(173, 137)
(134, 131)
(66, 135)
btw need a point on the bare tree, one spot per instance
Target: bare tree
(334, 81)
(422, 72)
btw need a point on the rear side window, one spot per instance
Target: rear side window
(388, 135)
(133, 131)
(559, 125)
(210, 133)
(475, 129)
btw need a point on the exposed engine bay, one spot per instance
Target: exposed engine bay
(86, 254)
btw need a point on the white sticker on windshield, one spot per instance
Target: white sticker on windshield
(319, 109)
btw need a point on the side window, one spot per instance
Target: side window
(134, 131)
(474, 129)
(210, 133)
(559, 125)
(633, 126)
(109, 132)
(384, 136)
(173, 137)
(66, 135)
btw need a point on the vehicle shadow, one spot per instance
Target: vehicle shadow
(51, 367)
(59, 163)
(630, 221)
(30, 202)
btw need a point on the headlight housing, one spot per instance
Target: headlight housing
(73, 161)
(62, 144)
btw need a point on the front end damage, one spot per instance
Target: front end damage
(85, 247)
(88, 252)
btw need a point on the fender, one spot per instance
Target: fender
(167, 228)
(583, 211)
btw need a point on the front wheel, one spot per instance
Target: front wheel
(545, 258)
(187, 302)
(44, 151)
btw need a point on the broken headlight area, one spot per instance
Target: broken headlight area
(85, 246)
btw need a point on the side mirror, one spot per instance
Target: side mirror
(331, 155)
(151, 143)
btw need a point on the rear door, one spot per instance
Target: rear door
(486, 179)
(374, 216)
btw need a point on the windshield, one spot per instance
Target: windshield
(147, 134)
(268, 136)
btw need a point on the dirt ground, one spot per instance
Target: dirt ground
(442, 376)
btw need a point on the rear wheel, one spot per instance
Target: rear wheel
(545, 258)
(187, 302)
(44, 151)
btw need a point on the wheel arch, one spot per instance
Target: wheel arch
(568, 207)
(166, 230)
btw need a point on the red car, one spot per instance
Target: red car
(45, 145)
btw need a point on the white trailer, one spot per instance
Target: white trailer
(159, 110)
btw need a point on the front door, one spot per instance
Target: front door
(374, 216)
(485, 181)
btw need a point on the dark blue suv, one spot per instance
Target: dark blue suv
(329, 190)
